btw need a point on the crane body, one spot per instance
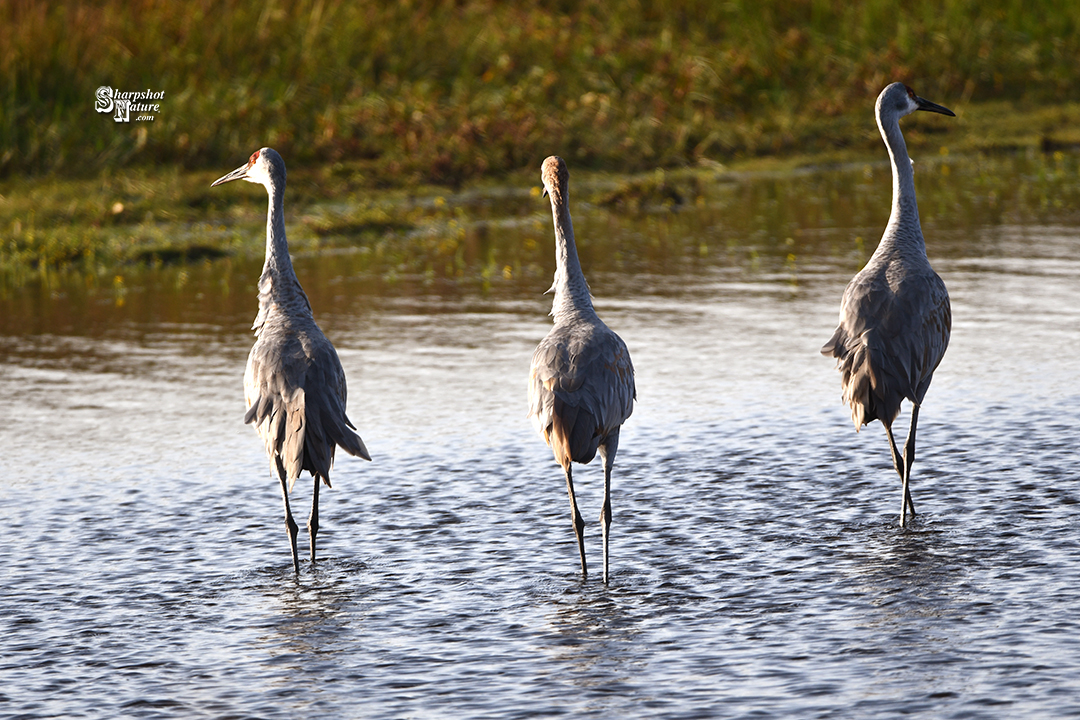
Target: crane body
(294, 385)
(581, 383)
(895, 316)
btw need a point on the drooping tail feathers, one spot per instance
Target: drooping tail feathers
(573, 435)
(863, 388)
(305, 435)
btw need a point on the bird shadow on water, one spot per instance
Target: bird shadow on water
(303, 621)
(904, 572)
(327, 572)
(592, 635)
(321, 590)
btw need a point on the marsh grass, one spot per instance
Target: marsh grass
(763, 216)
(425, 91)
(394, 117)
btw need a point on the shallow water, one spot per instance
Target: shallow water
(757, 566)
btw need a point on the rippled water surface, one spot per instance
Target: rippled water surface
(758, 569)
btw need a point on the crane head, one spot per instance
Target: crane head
(924, 104)
(898, 100)
(264, 167)
(554, 176)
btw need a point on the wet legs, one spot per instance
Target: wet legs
(903, 463)
(607, 454)
(578, 521)
(313, 519)
(909, 460)
(605, 516)
(290, 524)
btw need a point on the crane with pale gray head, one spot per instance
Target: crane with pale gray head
(895, 317)
(294, 384)
(581, 384)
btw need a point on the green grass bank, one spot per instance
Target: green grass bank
(444, 92)
(388, 107)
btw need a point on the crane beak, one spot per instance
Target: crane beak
(933, 107)
(237, 174)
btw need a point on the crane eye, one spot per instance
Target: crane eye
(254, 157)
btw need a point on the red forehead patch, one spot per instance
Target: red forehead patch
(253, 158)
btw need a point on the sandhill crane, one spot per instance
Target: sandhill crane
(581, 384)
(895, 317)
(294, 385)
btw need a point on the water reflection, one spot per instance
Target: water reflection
(788, 225)
(303, 618)
(756, 565)
(588, 629)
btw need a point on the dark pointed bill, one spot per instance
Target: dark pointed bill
(236, 174)
(933, 107)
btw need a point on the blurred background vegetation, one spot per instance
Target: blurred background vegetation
(421, 91)
(411, 129)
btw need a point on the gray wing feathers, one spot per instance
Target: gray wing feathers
(889, 342)
(295, 390)
(581, 389)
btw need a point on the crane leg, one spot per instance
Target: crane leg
(605, 515)
(607, 454)
(899, 464)
(909, 460)
(897, 459)
(290, 524)
(578, 521)
(313, 519)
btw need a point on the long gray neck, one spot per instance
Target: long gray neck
(903, 230)
(278, 285)
(571, 291)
